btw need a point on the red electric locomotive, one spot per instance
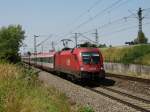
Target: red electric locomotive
(80, 63)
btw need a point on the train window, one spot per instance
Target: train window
(86, 58)
(37, 59)
(90, 58)
(95, 58)
(46, 60)
(51, 60)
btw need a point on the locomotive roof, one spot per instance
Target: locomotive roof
(77, 50)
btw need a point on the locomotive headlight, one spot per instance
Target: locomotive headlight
(81, 68)
(102, 68)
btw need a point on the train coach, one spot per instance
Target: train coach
(79, 63)
(43, 60)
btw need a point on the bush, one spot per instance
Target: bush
(86, 109)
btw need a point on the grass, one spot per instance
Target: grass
(86, 109)
(145, 60)
(138, 54)
(21, 91)
(25, 93)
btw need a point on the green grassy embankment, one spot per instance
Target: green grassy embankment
(21, 91)
(138, 54)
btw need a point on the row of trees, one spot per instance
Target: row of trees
(11, 38)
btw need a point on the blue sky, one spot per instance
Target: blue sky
(60, 17)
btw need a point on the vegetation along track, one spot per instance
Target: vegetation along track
(133, 101)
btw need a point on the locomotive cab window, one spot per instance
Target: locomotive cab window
(90, 58)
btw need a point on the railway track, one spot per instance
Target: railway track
(129, 78)
(138, 103)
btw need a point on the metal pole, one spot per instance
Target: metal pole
(76, 37)
(29, 61)
(96, 37)
(29, 54)
(35, 50)
(53, 47)
(140, 19)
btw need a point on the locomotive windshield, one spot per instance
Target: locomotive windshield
(90, 58)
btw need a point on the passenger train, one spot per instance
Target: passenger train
(79, 63)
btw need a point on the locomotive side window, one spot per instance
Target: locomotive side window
(90, 58)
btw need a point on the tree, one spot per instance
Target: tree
(141, 39)
(102, 45)
(87, 44)
(11, 38)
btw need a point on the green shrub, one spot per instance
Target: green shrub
(86, 109)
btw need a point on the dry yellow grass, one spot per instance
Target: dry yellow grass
(9, 71)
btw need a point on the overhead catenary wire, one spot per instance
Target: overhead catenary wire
(81, 15)
(44, 41)
(87, 11)
(103, 11)
(114, 21)
(114, 32)
(83, 36)
(147, 10)
(122, 3)
(98, 14)
(104, 26)
(110, 23)
(123, 29)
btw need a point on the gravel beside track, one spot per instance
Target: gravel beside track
(83, 96)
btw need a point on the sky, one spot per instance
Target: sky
(54, 20)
